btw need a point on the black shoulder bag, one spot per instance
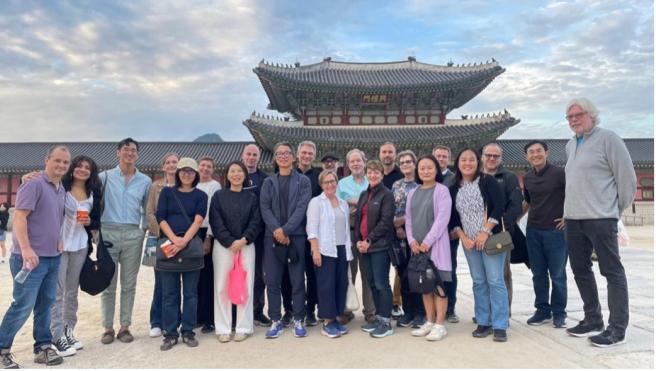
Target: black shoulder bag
(96, 275)
(188, 259)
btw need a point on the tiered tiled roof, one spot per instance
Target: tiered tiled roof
(24, 157)
(268, 131)
(372, 78)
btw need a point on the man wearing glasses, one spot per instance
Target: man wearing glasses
(600, 185)
(492, 159)
(123, 224)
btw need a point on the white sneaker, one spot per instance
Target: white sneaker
(438, 332)
(424, 330)
(155, 332)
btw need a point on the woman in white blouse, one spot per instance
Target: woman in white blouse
(330, 240)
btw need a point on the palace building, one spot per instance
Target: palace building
(341, 106)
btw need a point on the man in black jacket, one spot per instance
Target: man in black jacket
(250, 156)
(492, 159)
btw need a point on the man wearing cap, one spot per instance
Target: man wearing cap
(124, 221)
(330, 161)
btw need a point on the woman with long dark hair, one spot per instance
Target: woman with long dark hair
(477, 208)
(81, 218)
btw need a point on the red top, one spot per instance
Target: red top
(364, 230)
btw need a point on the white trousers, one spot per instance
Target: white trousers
(223, 258)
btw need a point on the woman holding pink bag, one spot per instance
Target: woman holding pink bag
(236, 222)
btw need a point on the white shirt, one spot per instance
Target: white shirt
(321, 225)
(73, 233)
(209, 188)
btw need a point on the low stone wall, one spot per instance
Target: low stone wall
(640, 213)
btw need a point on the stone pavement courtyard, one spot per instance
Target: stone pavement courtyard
(528, 346)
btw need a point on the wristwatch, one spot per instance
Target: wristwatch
(485, 230)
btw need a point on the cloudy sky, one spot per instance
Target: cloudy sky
(173, 70)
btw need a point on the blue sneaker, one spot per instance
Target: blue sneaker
(299, 330)
(384, 329)
(369, 327)
(275, 330)
(330, 330)
(343, 330)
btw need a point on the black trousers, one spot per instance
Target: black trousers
(273, 273)
(452, 287)
(258, 285)
(600, 234)
(310, 285)
(205, 309)
(411, 302)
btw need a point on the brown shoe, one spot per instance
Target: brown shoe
(346, 318)
(125, 336)
(107, 337)
(370, 318)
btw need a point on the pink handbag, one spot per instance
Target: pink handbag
(237, 289)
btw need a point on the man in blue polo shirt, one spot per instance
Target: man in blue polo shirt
(123, 221)
(37, 246)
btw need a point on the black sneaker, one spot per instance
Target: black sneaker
(63, 348)
(482, 331)
(168, 343)
(311, 320)
(48, 356)
(474, 319)
(287, 319)
(539, 318)
(261, 320)
(585, 328)
(607, 339)
(7, 360)
(419, 321)
(452, 317)
(500, 336)
(207, 329)
(397, 311)
(190, 339)
(559, 321)
(405, 320)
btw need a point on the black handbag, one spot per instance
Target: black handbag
(96, 275)
(422, 275)
(188, 259)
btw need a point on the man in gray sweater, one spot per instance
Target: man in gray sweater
(600, 185)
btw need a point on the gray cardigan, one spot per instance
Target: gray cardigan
(600, 180)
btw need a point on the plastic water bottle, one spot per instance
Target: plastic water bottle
(22, 275)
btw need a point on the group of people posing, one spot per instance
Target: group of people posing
(304, 234)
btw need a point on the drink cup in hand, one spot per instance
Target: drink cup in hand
(167, 248)
(82, 215)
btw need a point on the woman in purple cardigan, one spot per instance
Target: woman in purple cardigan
(428, 210)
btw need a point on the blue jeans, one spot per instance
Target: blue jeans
(376, 267)
(490, 294)
(547, 252)
(171, 317)
(37, 293)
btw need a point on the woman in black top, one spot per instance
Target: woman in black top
(236, 223)
(174, 224)
(374, 235)
(477, 209)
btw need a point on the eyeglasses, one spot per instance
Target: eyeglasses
(406, 162)
(188, 171)
(575, 116)
(128, 150)
(283, 154)
(329, 182)
(492, 156)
